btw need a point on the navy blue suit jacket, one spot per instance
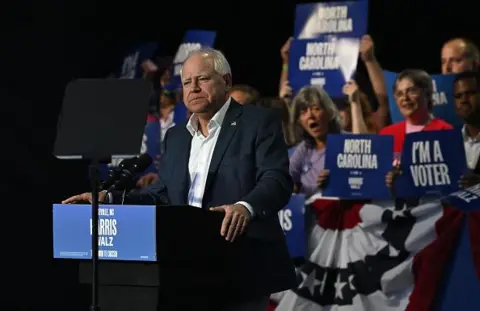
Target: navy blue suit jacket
(249, 163)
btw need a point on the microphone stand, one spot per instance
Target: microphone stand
(95, 179)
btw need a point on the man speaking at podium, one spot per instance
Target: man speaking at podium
(231, 159)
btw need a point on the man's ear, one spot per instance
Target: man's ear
(228, 80)
(476, 65)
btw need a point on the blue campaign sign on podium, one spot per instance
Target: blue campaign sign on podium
(292, 220)
(126, 232)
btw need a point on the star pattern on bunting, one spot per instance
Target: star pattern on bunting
(331, 285)
(338, 287)
(309, 281)
(399, 213)
(351, 279)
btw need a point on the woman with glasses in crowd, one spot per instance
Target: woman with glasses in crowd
(413, 90)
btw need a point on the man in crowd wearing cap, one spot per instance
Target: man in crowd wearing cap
(166, 106)
(167, 113)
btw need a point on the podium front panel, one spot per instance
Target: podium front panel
(126, 232)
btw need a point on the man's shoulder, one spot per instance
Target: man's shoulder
(259, 114)
(178, 129)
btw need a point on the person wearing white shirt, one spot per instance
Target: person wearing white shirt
(232, 159)
(167, 102)
(466, 88)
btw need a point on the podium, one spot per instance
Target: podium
(100, 119)
(147, 251)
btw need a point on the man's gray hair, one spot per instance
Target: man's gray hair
(220, 63)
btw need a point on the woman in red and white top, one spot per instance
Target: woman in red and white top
(413, 90)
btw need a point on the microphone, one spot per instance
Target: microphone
(114, 174)
(128, 174)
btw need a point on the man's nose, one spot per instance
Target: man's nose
(465, 103)
(448, 67)
(195, 86)
(465, 97)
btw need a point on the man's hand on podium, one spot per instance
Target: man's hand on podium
(147, 179)
(235, 220)
(85, 197)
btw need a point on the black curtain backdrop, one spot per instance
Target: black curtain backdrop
(46, 44)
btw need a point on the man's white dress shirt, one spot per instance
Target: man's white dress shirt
(472, 148)
(201, 152)
(166, 124)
